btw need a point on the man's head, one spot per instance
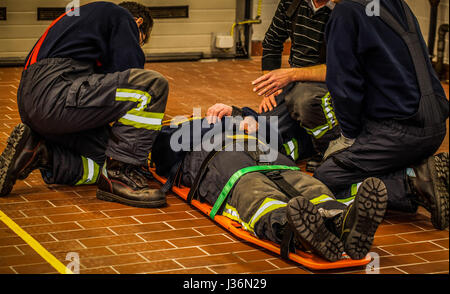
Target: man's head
(142, 17)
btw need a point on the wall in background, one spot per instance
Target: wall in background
(21, 30)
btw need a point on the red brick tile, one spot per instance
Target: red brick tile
(443, 243)
(147, 267)
(6, 270)
(211, 230)
(141, 228)
(411, 248)
(249, 267)
(228, 247)
(434, 256)
(44, 268)
(388, 261)
(9, 251)
(190, 271)
(107, 222)
(141, 247)
(25, 205)
(111, 260)
(62, 218)
(51, 211)
(255, 255)
(31, 221)
(21, 260)
(51, 228)
(82, 234)
(384, 230)
(130, 212)
(201, 222)
(110, 240)
(11, 241)
(198, 241)
(425, 236)
(98, 271)
(162, 217)
(54, 247)
(389, 240)
(426, 268)
(290, 271)
(173, 253)
(209, 260)
(169, 235)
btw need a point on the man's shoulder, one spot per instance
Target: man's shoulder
(108, 8)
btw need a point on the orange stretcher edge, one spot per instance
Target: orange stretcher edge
(308, 260)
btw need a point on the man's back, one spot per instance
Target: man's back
(103, 34)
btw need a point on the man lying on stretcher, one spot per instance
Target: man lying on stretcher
(273, 199)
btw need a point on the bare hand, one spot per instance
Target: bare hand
(249, 125)
(217, 111)
(273, 82)
(267, 104)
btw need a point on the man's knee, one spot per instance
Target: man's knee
(305, 100)
(150, 80)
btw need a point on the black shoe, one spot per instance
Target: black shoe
(357, 225)
(25, 151)
(125, 184)
(430, 187)
(310, 231)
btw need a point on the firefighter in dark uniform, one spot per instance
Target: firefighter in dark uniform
(90, 111)
(390, 105)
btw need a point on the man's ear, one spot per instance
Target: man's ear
(139, 21)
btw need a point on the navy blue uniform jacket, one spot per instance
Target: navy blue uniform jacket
(103, 34)
(370, 73)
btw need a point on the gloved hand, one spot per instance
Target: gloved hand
(337, 145)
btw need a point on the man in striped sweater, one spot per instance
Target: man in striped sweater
(300, 89)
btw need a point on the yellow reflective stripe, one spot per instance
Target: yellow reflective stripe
(321, 199)
(134, 95)
(90, 172)
(140, 125)
(146, 114)
(53, 261)
(328, 111)
(231, 212)
(267, 206)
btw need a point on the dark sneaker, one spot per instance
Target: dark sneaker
(430, 187)
(358, 224)
(310, 230)
(126, 184)
(25, 151)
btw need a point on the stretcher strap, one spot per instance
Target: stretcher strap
(236, 176)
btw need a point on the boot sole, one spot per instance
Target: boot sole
(439, 168)
(18, 136)
(370, 203)
(110, 197)
(310, 230)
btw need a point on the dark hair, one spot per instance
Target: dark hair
(139, 10)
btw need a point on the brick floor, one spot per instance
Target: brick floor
(112, 238)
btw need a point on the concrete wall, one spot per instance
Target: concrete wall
(21, 30)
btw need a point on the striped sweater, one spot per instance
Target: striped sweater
(307, 38)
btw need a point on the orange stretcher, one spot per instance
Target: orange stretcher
(306, 259)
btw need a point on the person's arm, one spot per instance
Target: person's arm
(272, 82)
(274, 39)
(345, 73)
(125, 50)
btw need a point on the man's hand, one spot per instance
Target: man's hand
(273, 82)
(249, 125)
(267, 104)
(217, 111)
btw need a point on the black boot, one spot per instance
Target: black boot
(310, 231)
(124, 183)
(25, 151)
(357, 225)
(430, 188)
